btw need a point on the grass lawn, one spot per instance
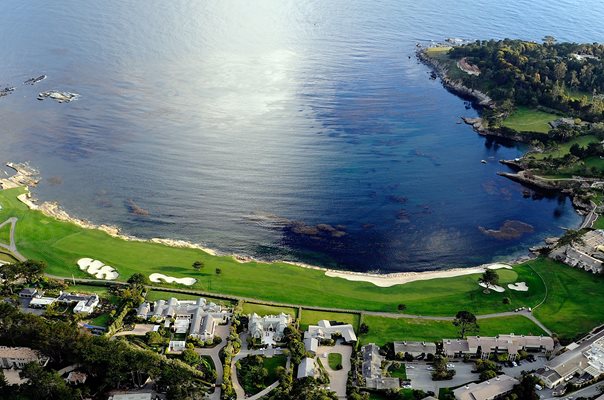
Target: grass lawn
(400, 372)
(5, 234)
(334, 360)
(154, 295)
(311, 317)
(526, 119)
(271, 365)
(261, 309)
(383, 330)
(573, 304)
(102, 291)
(562, 149)
(101, 320)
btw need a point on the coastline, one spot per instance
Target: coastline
(26, 176)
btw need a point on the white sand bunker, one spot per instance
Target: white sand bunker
(495, 288)
(519, 286)
(98, 269)
(157, 278)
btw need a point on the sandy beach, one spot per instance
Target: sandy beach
(400, 278)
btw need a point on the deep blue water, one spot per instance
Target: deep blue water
(231, 121)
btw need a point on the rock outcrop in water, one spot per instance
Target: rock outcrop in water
(6, 91)
(61, 97)
(33, 81)
(135, 209)
(510, 230)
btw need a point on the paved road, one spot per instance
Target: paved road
(337, 379)
(421, 377)
(12, 247)
(214, 354)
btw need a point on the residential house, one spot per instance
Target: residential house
(76, 378)
(306, 368)
(372, 369)
(197, 317)
(324, 330)
(84, 303)
(311, 345)
(415, 349)
(487, 390)
(269, 328)
(17, 357)
(30, 293)
(485, 346)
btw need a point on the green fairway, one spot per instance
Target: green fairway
(311, 317)
(383, 330)
(261, 309)
(526, 119)
(334, 360)
(573, 303)
(61, 244)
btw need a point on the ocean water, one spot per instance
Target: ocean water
(244, 125)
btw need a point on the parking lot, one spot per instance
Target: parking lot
(421, 377)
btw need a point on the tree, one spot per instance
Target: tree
(198, 265)
(489, 278)
(466, 322)
(487, 374)
(402, 307)
(441, 372)
(190, 357)
(137, 280)
(218, 271)
(363, 329)
(525, 390)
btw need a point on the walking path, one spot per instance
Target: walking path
(12, 247)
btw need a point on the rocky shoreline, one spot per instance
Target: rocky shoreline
(27, 176)
(480, 100)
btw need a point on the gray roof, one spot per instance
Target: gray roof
(486, 390)
(414, 347)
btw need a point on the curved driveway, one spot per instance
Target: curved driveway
(12, 247)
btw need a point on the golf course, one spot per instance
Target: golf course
(565, 300)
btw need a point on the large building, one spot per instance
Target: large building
(269, 328)
(484, 346)
(324, 330)
(17, 357)
(372, 369)
(415, 348)
(587, 254)
(585, 357)
(84, 303)
(487, 390)
(199, 318)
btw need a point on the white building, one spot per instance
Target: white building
(306, 368)
(17, 357)
(197, 317)
(324, 330)
(269, 328)
(84, 303)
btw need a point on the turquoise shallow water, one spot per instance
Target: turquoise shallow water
(244, 125)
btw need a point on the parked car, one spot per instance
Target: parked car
(429, 368)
